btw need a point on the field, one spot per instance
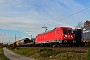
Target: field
(2, 57)
(54, 53)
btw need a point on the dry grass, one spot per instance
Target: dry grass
(2, 57)
(49, 54)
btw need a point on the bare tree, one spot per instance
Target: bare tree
(79, 25)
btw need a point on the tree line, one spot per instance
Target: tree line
(81, 24)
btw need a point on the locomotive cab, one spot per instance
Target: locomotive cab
(65, 35)
(68, 35)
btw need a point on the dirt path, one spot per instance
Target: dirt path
(13, 56)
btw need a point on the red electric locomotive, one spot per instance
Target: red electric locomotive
(58, 36)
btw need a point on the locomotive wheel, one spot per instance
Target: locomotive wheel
(55, 45)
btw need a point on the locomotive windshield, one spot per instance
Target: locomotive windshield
(65, 31)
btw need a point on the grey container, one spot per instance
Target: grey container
(86, 34)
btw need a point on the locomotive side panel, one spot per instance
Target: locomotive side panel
(45, 37)
(38, 38)
(50, 36)
(59, 34)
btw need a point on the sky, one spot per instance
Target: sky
(23, 18)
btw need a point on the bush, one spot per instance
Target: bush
(11, 47)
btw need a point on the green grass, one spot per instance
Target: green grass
(2, 57)
(50, 54)
(88, 55)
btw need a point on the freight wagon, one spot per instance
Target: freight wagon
(86, 35)
(23, 42)
(57, 36)
(78, 37)
(82, 36)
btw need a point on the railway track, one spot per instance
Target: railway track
(67, 49)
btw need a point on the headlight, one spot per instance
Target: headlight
(65, 36)
(71, 36)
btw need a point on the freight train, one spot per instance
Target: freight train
(55, 37)
(59, 36)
